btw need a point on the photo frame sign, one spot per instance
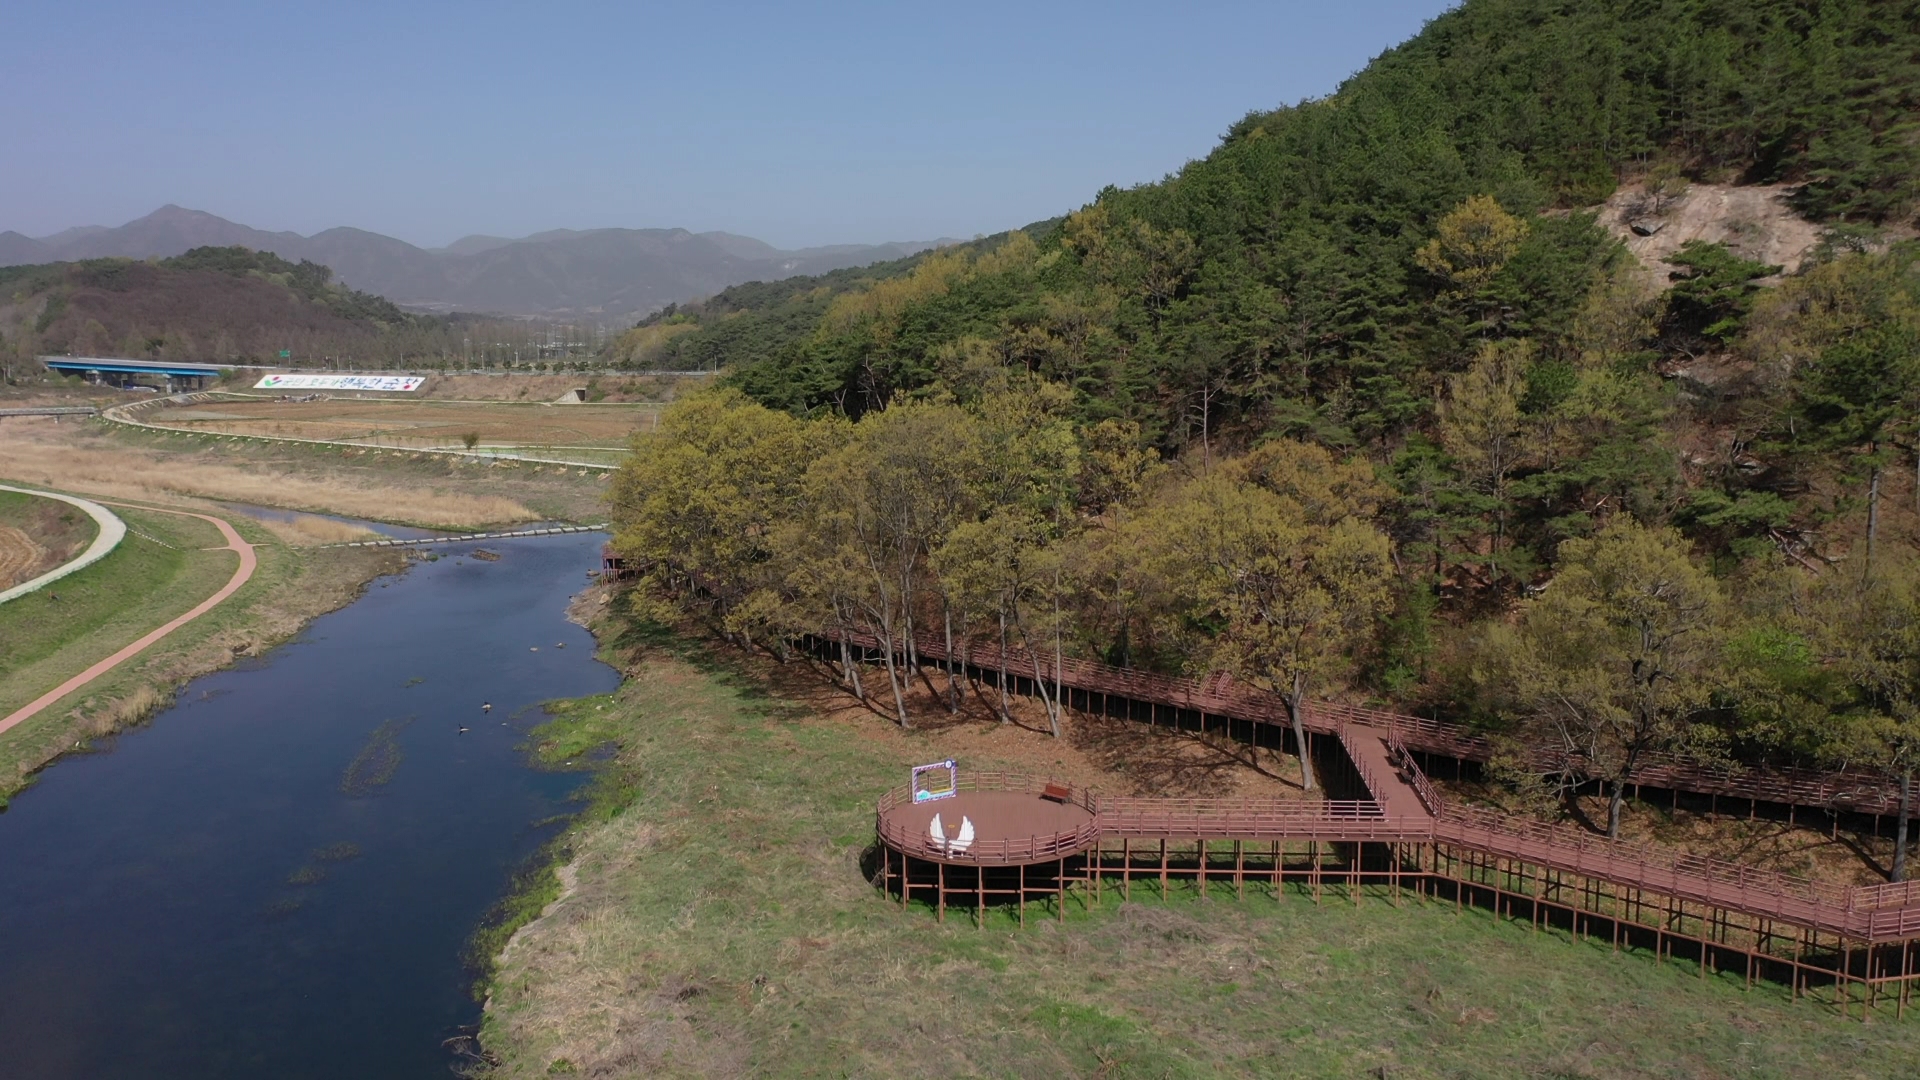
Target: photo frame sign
(940, 780)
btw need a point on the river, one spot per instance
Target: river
(277, 876)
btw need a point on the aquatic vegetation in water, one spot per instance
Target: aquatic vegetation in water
(283, 906)
(338, 851)
(373, 766)
(307, 875)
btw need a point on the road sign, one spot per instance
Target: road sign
(284, 353)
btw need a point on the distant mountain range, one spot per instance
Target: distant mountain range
(592, 274)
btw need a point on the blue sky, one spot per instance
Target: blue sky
(796, 123)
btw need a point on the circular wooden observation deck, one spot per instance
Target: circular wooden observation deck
(1015, 822)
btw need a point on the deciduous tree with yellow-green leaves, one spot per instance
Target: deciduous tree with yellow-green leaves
(1618, 661)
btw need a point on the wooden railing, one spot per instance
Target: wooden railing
(1003, 851)
(1410, 768)
(1639, 865)
(1868, 913)
(1896, 894)
(1245, 819)
(1219, 695)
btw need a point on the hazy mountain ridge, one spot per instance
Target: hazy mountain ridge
(610, 273)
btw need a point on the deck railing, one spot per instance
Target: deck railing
(1246, 819)
(1868, 913)
(1422, 786)
(1222, 696)
(1005, 851)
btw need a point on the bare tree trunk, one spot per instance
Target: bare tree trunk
(1614, 805)
(1900, 831)
(953, 681)
(912, 646)
(1206, 434)
(1052, 702)
(1296, 712)
(1499, 537)
(1873, 516)
(893, 674)
(1006, 715)
(1057, 664)
(846, 661)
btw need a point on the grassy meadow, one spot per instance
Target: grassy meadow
(713, 917)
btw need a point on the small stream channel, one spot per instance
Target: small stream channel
(278, 875)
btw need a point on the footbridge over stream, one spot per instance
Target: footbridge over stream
(456, 538)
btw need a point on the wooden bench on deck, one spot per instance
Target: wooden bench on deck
(1057, 791)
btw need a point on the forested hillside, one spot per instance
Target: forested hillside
(1367, 401)
(208, 304)
(234, 305)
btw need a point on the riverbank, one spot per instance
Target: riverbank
(302, 843)
(718, 920)
(162, 568)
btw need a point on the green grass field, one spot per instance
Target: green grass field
(719, 921)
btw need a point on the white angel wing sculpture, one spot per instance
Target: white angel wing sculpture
(938, 834)
(965, 839)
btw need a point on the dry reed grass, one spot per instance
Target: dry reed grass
(307, 530)
(50, 454)
(124, 712)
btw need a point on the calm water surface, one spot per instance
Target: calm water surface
(151, 923)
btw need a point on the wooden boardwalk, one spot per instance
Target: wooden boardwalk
(1220, 700)
(455, 538)
(1399, 834)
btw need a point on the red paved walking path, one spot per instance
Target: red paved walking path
(241, 574)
